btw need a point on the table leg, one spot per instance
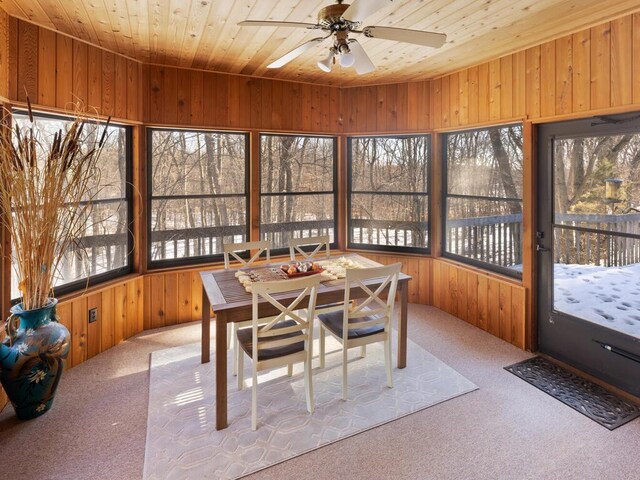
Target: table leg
(221, 372)
(403, 288)
(206, 327)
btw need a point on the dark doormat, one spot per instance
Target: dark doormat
(606, 408)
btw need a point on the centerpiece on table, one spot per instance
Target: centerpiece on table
(46, 187)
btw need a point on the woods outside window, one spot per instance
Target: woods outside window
(104, 251)
(483, 197)
(297, 188)
(389, 192)
(198, 194)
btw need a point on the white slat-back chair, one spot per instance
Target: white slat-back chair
(365, 322)
(231, 250)
(321, 242)
(284, 339)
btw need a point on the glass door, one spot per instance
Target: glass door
(589, 246)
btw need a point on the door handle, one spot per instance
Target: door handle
(540, 248)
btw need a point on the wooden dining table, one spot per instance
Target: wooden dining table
(230, 302)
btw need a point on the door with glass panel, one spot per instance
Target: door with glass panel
(588, 245)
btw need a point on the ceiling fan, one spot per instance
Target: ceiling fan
(340, 20)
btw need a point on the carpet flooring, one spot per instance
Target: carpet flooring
(507, 429)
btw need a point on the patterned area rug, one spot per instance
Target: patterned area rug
(182, 441)
(600, 405)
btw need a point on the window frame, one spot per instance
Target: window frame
(307, 248)
(94, 280)
(506, 271)
(389, 248)
(201, 259)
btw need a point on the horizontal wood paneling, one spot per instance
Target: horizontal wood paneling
(481, 299)
(202, 99)
(590, 70)
(57, 71)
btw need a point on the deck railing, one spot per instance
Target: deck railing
(390, 233)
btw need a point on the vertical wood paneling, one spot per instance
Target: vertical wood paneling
(621, 61)
(454, 100)
(548, 79)
(564, 75)
(494, 90)
(474, 96)
(120, 87)
(27, 50)
(108, 83)
(94, 78)
(107, 335)
(601, 66)
(636, 57)
(46, 68)
(5, 41)
(506, 87)
(94, 329)
(532, 82)
(79, 330)
(581, 71)
(484, 92)
(64, 71)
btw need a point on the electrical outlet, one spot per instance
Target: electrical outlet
(93, 315)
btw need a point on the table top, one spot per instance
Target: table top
(226, 292)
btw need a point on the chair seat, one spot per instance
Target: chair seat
(333, 322)
(245, 340)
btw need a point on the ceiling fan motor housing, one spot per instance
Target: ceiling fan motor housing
(331, 17)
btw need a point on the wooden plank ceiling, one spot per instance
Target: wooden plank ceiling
(204, 34)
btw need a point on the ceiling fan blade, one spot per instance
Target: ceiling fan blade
(361, 9)
(268, 23)
(295, 53)
(363, 63)
(427, 39)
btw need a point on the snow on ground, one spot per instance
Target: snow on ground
(609, 296)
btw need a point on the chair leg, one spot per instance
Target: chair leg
(323, 334)
(236, 348)
(308, 382)
(230, 334)
(239, 357)
(387, 361)
(290, 370)
(344, 370)
(254, 398)
(363, 351)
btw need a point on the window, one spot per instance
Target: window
(198, 195)
(389, 192)
(483, 197)
(297, 188)
(105, 249)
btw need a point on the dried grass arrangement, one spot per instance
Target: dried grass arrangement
(48, 186)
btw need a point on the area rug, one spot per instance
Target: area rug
(182, 441)
(592, 400)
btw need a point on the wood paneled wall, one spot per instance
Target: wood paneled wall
(4, 54)
(120, 314)
(487, 301)
(396, 107)
(57, 71)
(178, 96)
(589, 71)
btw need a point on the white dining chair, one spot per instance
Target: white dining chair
(283, 339)
(321, 242)
(365, 322)
(231, 250)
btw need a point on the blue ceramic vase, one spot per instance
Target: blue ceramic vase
(31, 358)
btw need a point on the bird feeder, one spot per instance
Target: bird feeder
(612, 190)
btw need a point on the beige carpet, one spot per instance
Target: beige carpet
(182, 442)
(505, 430)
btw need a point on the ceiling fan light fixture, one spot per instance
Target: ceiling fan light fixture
(347, 60)
(326, 64)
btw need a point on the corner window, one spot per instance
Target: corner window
(483, 198)
(198, 194)
(389, 193)
(104, 251)
(297, 188)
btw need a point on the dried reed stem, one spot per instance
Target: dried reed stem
(46, 193)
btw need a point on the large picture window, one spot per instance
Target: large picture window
(197, 194)
(389, 192)
(297, 188)
(105, 249)
(483, 197)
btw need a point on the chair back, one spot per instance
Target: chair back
(380, 311)
(296, 244)
(308, 286)
(230, 249)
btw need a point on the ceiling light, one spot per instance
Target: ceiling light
(347, 59)
(326, 64)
